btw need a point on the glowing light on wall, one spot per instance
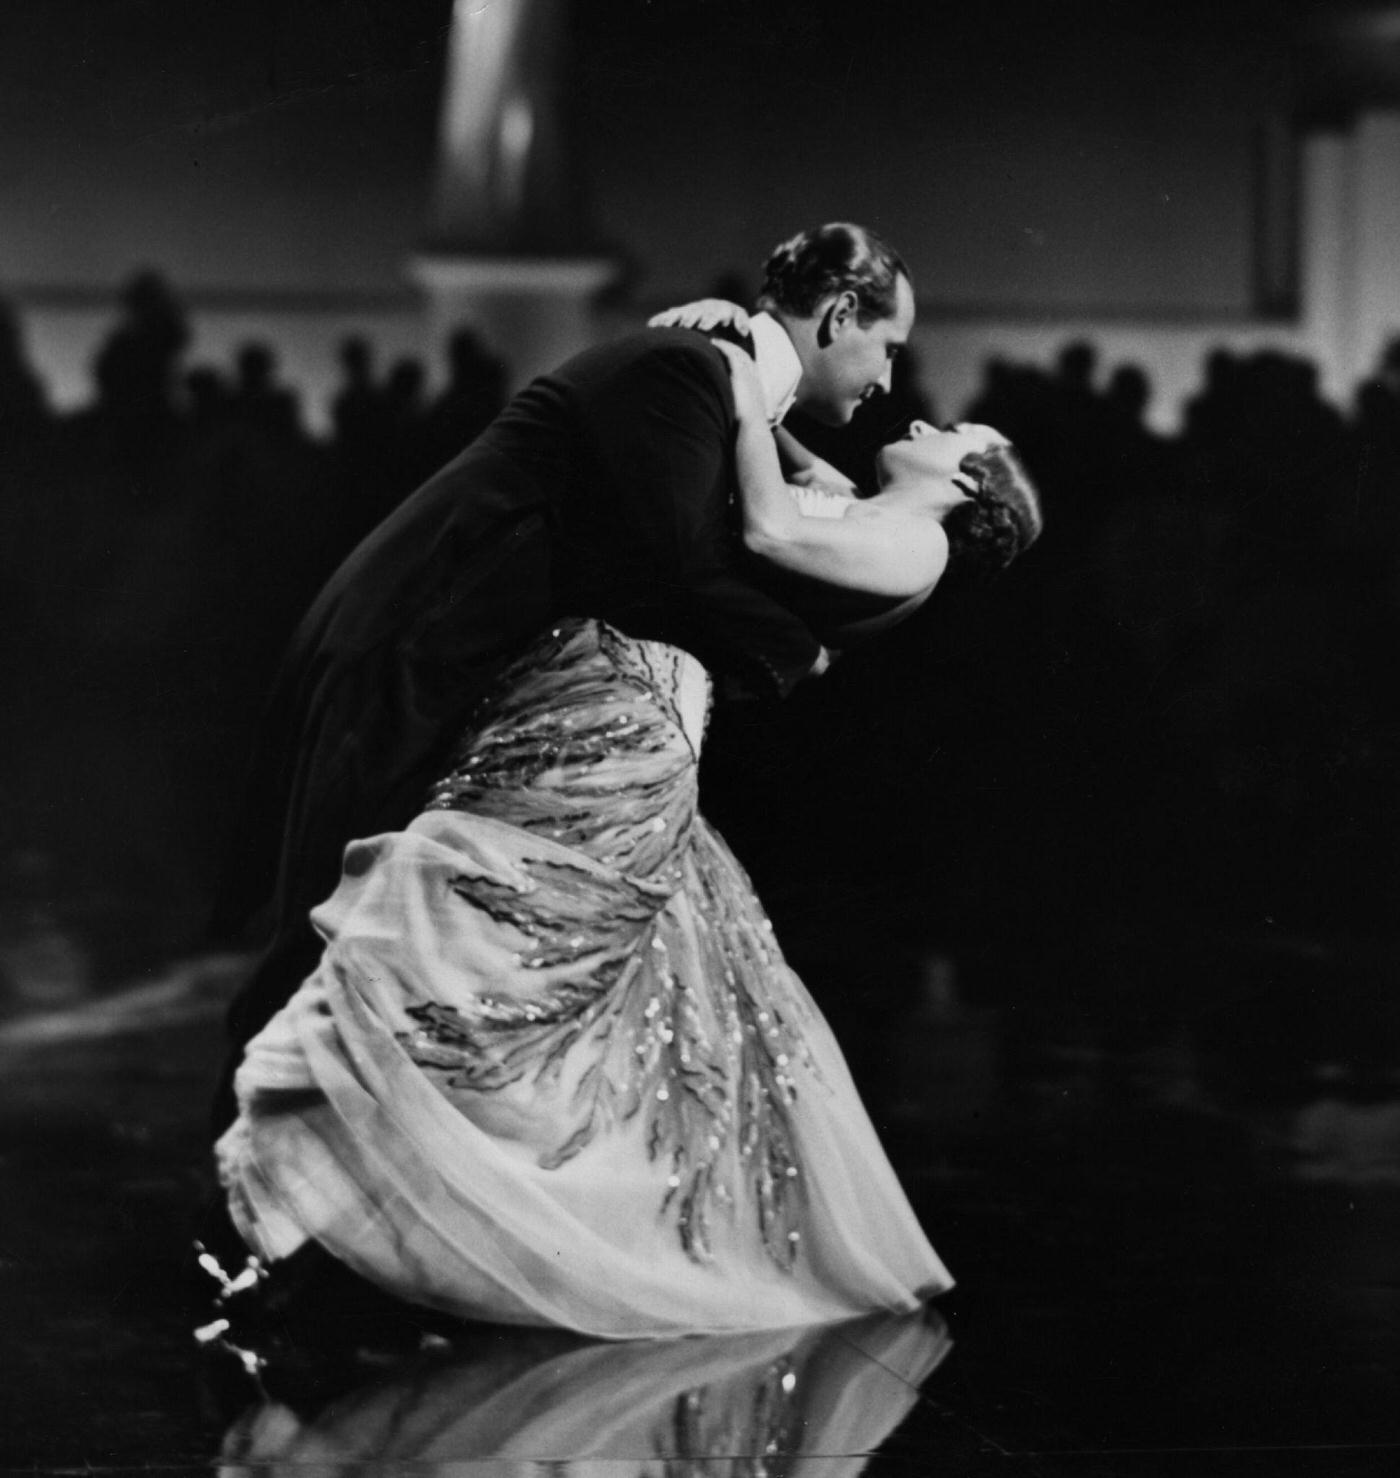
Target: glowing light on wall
(504, 180)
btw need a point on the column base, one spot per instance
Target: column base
(535, 312)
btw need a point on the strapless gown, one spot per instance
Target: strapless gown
(552, 1068)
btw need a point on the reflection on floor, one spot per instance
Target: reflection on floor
(1163, 1267)
(528, 1396)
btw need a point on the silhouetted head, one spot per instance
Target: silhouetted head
(356, 357)
(1077, 362)
(467, 354)
(1129, 391)
(9, 331)
(1222, 369)
(147, 295)
(256, 362)
(406, 380)
(204, 388)
(846, 300)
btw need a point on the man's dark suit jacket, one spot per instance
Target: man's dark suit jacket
(603, 489)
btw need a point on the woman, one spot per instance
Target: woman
(552, 1068)
(899, 542)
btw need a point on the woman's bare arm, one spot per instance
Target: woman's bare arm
(878, 550)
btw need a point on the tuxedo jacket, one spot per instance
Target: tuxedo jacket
(603, 489)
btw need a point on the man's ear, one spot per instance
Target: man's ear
(838, 315)
(845, 309)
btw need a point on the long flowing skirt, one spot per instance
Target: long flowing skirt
(552, 1068)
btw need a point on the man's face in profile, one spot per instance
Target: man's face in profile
(855, 359)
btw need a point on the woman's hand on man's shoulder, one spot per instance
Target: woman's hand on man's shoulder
(704, 314)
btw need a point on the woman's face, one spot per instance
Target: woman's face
(932, 458)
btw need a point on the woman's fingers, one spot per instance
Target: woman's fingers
(703, 314)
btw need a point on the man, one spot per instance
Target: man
(828, 329)
(603, 489)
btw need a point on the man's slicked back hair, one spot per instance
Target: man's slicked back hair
(839, 257)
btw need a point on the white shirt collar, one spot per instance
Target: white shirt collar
(779, 368)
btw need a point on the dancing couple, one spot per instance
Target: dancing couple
(523, 1047)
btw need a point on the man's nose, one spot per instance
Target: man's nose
(885, 379)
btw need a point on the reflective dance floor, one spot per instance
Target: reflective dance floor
(1169, 1261)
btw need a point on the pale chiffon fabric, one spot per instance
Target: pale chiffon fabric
(615, 1109)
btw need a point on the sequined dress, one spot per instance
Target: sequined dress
(552, 1068)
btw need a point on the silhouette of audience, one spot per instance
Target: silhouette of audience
(1210, 612)
(1179, 696)
(24, 452)
(135, 372)
(357, 412)
(258, 401)
(22, 403)
(474, 393)
(206, 399)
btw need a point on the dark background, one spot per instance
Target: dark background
(1164, 745)
(1013, 150)
(1093, 869)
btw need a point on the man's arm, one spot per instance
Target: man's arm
(663, 429)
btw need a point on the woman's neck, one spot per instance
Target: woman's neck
(914, 495)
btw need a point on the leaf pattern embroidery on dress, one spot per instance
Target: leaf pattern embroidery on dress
(677, 1016)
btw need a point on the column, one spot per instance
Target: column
(509, 249)
(1351, 241)
(1377, 173)
(1328, 260)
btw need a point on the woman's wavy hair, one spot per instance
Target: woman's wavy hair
(1002, 519)
(835, 258)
